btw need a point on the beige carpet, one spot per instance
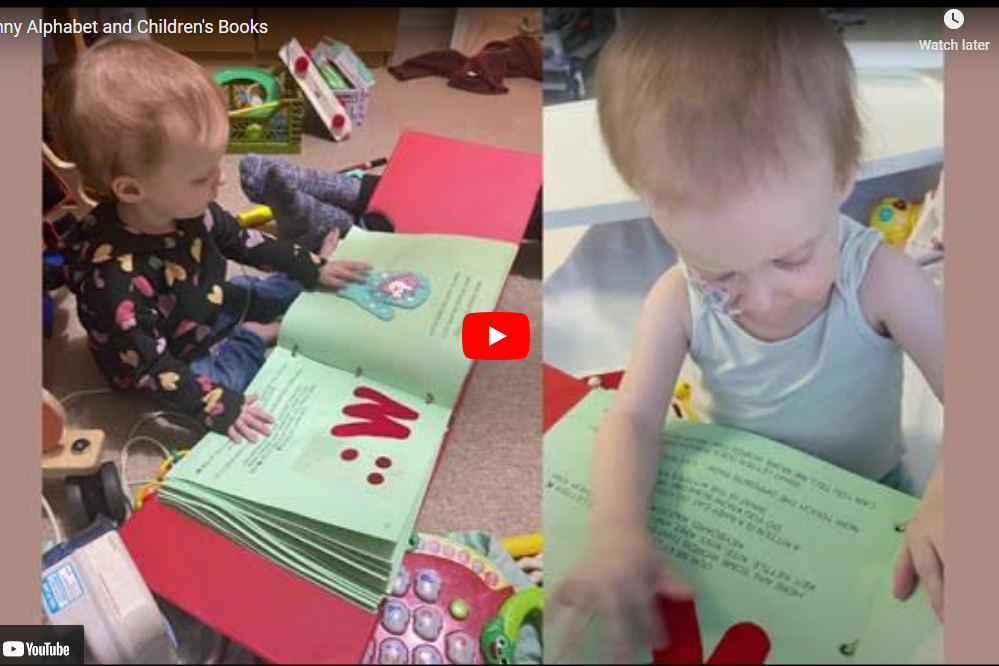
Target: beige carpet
(490, 474)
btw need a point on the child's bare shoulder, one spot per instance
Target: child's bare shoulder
(667, 305)
(893, 280)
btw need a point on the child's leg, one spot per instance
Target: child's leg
(267, 332)
(233, 361)
(302, 217)
(271, 296)
(333, 188)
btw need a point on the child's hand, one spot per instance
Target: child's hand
(922, 554)
(251, 420)
(336, 274)
(619, 579)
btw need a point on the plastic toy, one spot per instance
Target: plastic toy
(681, 403)
(65, 451)
(92, 489)
(499, 637)
(266, 110)
(148, 489)
(347, 75)
(346, 61)
(241, 82)
(449, 604)
(306, 75)
(895, 218)
(523, 545)
(256, 216)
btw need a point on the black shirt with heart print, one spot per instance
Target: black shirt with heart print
(149, 301)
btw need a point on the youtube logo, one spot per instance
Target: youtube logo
(495, 336)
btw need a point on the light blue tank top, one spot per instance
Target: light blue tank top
(833, 390)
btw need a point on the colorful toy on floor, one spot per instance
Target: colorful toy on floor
(523, 545)
(92, 489)
(449, 605)
(895, 218)
(681, 403)
(254, 217)
(347, 75)
(149, 489)
(266, 110)
(384, 290)
(249, 89)
(499, 637)
(324, 101)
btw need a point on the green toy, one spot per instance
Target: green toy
(267, 82)
(333, 77)
(499, 636)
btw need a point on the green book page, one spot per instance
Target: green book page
(888, 638)
(764, 533)
(321, 462)
(419, 350)
(319, 546)
(241, 529)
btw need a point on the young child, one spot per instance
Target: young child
(739, 130)
(148, 129)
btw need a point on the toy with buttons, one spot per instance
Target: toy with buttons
(895, 218)
(384, 290)
(449, 605)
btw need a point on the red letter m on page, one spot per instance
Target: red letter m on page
(377, 417)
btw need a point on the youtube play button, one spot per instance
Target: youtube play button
(495, 336)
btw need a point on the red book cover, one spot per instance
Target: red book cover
(439, 185)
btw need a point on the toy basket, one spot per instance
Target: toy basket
(275, 127)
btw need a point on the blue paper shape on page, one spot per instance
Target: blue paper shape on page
(385, 290)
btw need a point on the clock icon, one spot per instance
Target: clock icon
(954, 19)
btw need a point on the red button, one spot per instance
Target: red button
(495, 336)
(339, 121)
(301, 64)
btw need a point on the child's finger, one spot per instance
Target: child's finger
(258, 425)
(333, 282)
(260, 414)
(246, 431)
(904, 573)
(348, 272)
(672, 586)
(330, 243)
(930, 574)
(233, 435)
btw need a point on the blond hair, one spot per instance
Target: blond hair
(110, 110)
(696, 103)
